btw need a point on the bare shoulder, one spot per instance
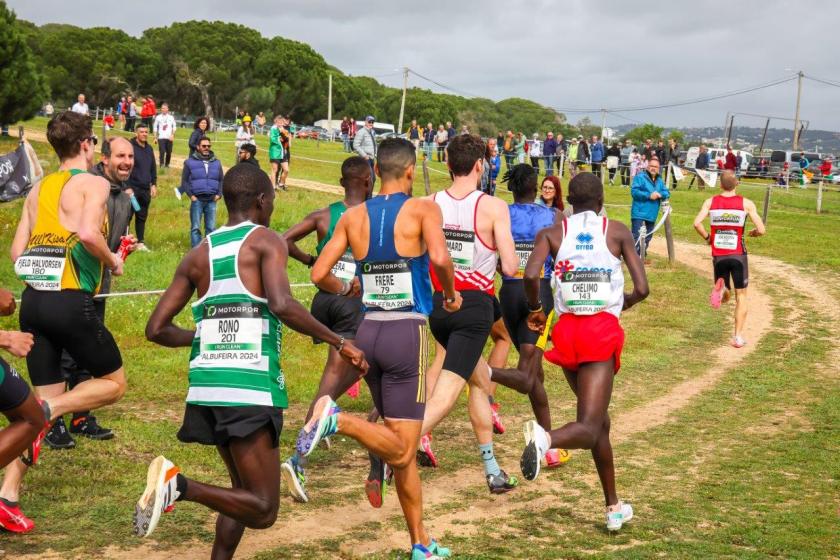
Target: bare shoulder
(422, 205)
(749, 204)
(354, 214)
(619, 229)
(93, 183)
(494, 204)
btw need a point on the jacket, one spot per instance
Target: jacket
(193, 141)
(149, 109)
(597, 152)
(643, 207)
(429, 136)
(202, 178)
(451, 132)
(625, 153)
(275, 144)
(672, 156)
(614, 151)
(582, 152)
(119, 216)
(144, 173)
(562, 147)
(364, 143)
(519, 146)
(251, 161)
(549, 147)
(702, 161)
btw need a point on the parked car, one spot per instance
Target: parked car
(714, 154)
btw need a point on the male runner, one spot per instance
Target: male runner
(60, 252)
(587, 339)
(394, 238)
(475, 226)
(237, 390)
(342, 312)
(728, 213)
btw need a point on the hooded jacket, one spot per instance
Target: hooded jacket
(202, 176)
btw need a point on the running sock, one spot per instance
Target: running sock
(490, 464)
(45, 406)
(180, 486)
(490, 397)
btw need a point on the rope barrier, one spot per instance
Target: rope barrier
(665, 213)
(158, 292)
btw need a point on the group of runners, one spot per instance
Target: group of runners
(390, 269)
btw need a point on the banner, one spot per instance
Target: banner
(708, 177)
(19, 170)
(677, 172)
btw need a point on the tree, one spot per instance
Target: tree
(22, 86)
(677, 135)
(646, 131)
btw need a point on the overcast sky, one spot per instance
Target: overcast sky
(567, 54)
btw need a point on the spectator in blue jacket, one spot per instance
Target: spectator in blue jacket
(201, 180)
(549, 153)
(648, 192)
(597, 153)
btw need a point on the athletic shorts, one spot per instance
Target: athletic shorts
(734, 267)
(215, 425)
(497, 309)
(13, 390)
(275, 160)
(464, 332)
(341, 314)
(287, 156)
(515, 309)
(66, 320)
(581, 339)
(397, 351)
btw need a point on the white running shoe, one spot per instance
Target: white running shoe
(536, 446)
(159, 496)
(295, 478)
(615, 519)
(177, 192)
(738, 341)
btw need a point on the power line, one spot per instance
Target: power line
(822, 81)
(453, 90)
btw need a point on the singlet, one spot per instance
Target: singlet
(345, 268)
(727, 218)
(235, 356)
(474, 260)
(391, 282)
(525, 221)
(55, 259)
(587, 276)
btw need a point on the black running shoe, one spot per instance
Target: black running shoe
(58, 437)
(88, 427)
(501, 483)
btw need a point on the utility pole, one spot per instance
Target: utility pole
(329, 108)
(800, 75)
(402, 103)
(603, 123)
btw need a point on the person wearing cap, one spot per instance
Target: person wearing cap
(364, 144)
(549, 151)
(244, 134)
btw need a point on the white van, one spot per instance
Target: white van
(714, 154)
(378, 127)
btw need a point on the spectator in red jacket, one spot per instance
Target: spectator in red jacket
(148, 111)
(825, 167)
(731, 162)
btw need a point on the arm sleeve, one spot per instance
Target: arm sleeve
(357, 145)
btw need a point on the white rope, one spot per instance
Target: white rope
(158, 292)
(665, 213)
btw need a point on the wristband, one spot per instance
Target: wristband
(340, 346)
(345, 288)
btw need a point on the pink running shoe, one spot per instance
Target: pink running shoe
(353, 392)
(717, 294)
(556, 457)
(498, 427)
(738, 342)
(13, 520)
(425, 455)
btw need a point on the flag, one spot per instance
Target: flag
(19, 170)
(805, 177)
(708, 177)
(677, 172)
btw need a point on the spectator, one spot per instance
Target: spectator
(199, 129)
(429, 140)
(731, 162)
(286, 141)
(49, 110)
(465, 129)
(701, 164)
(648, 192)
(485, 184)
(583, 154)
(648, 151)
(353, 129)
(738, 161)
(672, 158)
(441, 139)
(535, 152)
(626, 151)
(80, 106)
(148, 111)
(130, 114)
(108, 121)
(259, 121)
(596, 155)
(572, 154)
(276, 150)
(825, 167)
(164, 130)
(659, 153)
(121, 110)
(201, 179)
(248, 154)
(508, 148)
(495, 167)
(450, 131)
(551, 193)
(519, 147)
(142, 182)
(244, 135)
(560, 153)
(365, 145)
(345, 133)
(549, 151)
(613, 160)
(635, 163)
(414, 134)
(500, 140)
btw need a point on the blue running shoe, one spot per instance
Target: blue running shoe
(323, 424)
(295, 478)
(438, 550)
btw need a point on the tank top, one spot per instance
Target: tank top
(587, 276)
(391, 282)
(235, 356)
(525, 221)
(55, 259)
(345, 268)
(474, 260)
(727, 218)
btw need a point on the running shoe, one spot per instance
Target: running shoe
(738, 341)
(325, 443)
(295, 478)
(158, 497)
(375, 483)
(33, 452)
(88, 426)
(353, 391)
(498, 427)
(324, 423)
(501, 483)
(142, 247)
(615, 519)
(58, 437)
(12, 519)
(433, 552)
(425, 455)
(535, 448)
(440, 551)
(177, 192)
(556, 457)
(717, 294)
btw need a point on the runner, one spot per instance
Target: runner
(475, 226)
(276, 153)
(237, 390)
(340, 313)
(286, 141)
(727, 214)
(60, 251)
(587, 339)
(394, 238)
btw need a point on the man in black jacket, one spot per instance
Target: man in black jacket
(143, 182)
(247, 154)
(701, 164)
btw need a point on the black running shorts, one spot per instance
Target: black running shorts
(464, 332)
(515, 309)
(215, 425)
(13, 390)
(341, 314)
(66, 320)
(397, 351)
(734, 267)
(497, 309)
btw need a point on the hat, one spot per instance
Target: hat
(580, 137)
(370, 118)
(246, 118)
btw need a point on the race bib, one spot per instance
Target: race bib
(231, 334)
(42, 267)
(523, 253)
(345, 268)
(585, 292)
(461, 245)
(726, 239)
(387, 285)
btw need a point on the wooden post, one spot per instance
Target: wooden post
(819, 197)
(20, 134)
(669, 238)
(642, 241)
(426, 177)
(766, 204)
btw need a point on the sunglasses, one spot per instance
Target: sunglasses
(204, 146)
(92, 139)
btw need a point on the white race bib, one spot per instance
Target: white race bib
(523, 253)
(726, 239)
(42, 267)
(461, 245)
(345, 268)
(231, 334)
(387, 285)
(586, 292)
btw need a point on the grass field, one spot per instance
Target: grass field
(721, 456)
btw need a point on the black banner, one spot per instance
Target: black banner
(15, 174)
